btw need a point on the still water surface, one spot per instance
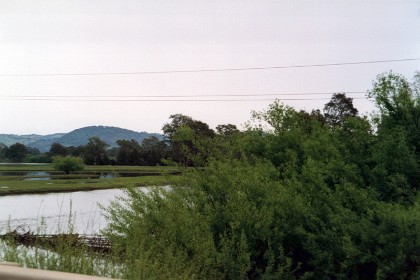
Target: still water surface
(45, 176)
(28, 210)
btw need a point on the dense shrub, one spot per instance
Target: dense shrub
(68, 163)
(312, 197)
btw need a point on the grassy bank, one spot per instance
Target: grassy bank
(21, 179)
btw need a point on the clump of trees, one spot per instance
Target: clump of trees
(18, 152)
(151, 152)
(319, 195)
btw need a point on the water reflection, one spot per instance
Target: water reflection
(42, 175)
(37, 176)
(52, 212)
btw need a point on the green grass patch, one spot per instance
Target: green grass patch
(11, 182)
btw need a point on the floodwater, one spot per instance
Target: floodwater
(30, 211)
(45, 176)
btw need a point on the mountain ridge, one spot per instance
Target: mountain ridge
(77, 137)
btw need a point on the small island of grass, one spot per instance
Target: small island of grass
(44, 178)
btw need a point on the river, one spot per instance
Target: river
(27, 211)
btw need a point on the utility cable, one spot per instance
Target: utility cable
(212, 70)
(169, 100)
(181, 96)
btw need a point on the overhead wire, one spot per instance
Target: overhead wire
(170, 100)
(192, 97)
(178, 96)
(182, 96)
(212, 70)
(303, 96)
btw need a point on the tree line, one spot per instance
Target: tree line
(96, 152)
(180, 146)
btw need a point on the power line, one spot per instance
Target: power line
(168, 100)
(212, 70)
(182, 96)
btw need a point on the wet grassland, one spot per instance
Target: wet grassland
(25, 179)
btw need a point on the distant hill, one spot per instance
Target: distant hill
(77, 137)
(10, 139)
(108, 134)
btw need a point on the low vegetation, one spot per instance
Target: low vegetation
(23, 179)
(62, 258)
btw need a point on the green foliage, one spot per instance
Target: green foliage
(63, 258)
(128, 152)
(207, 245)
(16, 152)
(94, 152)
(57, 149)
(3, 149)
(296, 196)
(339, 109)
(396, 152)
(237, 220)
(41, 158)
(153, 151)
(395, 173)
(188, 139)
(150, 152)
(398, 101)
(227, 130)
(392, 93)
(68, 164)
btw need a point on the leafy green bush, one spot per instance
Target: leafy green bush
(239, 220)
(68, 164)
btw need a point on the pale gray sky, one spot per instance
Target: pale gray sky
(101, 36)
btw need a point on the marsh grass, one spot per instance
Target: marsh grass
(162, 175)
(62, 258)
(61, 254)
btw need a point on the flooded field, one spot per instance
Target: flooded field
(55, 212)
(45, 176)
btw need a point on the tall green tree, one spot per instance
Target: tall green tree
(188, 139)
(94, 152)
(398, 102)
(57, 149)
(227, 129)
(3, 149)
(153, 151)
(397, 148)
(128, 152)
(339, 109)
(16, 152)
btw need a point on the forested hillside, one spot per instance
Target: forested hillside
(108, 134)
(77, 137)
(327, 194)
(10, 139)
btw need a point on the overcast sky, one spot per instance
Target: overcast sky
(125, 36)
